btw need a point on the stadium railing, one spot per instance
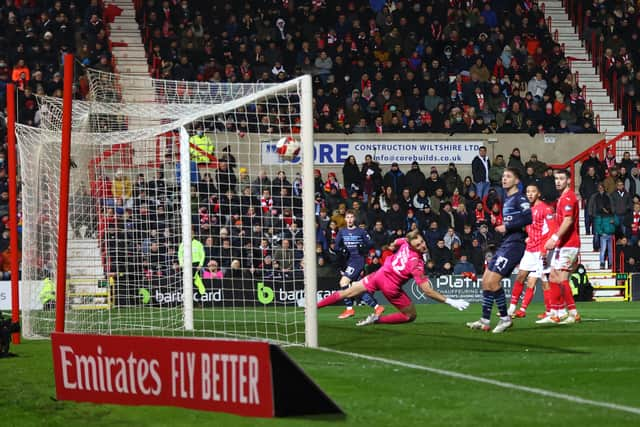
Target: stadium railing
(601, 149)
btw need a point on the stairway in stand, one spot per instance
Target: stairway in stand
(128, 49)
(87, 286)
(610, 123)
(130, 57)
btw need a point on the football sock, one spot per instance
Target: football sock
(555, 296)
(516, 292)
(528, 296)
(398, 317)
(348, 302)
(546, 294)
(487, 304)
(501, 302)
(331, 299)
(568, 296)
(369, 299)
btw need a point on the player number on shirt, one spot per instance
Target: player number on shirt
(501, 263)
(400, 262)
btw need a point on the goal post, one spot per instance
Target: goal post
(140, 183)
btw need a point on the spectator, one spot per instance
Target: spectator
(515, 161)
(588, 187)
(538, 166)
(620, 204)
(632, 183)
(599, 205)
(452, 179)
(200, 146)
(480, 168)
(463, 266)
(632, 224)
(225, 178)
(548, 190)
(441, 254)
(351, 175)
(610, 180)
(434, 182)
(415, 179)
(394, 178)
(495, 173)
(594, 162)
(605, 227)
(451, 237)
(122, 187)
(627, 162)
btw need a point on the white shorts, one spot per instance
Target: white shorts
(564, 258)
(532, 263)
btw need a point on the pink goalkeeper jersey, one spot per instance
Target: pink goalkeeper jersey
(404, 264)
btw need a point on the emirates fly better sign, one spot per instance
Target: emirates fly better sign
(214, 375)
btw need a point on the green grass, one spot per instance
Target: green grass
(595, 360)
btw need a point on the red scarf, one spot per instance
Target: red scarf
(635, 225)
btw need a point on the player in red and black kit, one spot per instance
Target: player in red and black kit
(565, 244)
(532, 266)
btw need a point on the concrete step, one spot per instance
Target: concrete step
(591, 265)
(599, 100)
(81, 254)
(136, 68)
(604, 114)
(124, 25)
(131, 51)
(139, 56)
(130, 61)
(129, 39)
(82, 243)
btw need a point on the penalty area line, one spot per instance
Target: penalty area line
(502, 384)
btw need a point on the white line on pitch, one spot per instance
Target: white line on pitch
(503, 384)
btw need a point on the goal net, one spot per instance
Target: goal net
(182, 218)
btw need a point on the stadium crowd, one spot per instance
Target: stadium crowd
(399, 66)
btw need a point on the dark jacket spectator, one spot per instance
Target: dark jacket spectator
(415, 178)
(452, 179)
(516, 162)
(395, 179)
(352, 177)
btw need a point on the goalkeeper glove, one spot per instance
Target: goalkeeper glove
(460, 304)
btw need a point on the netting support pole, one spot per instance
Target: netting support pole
(13, 206)
(308, 203)
(63, 221)
(185, 211)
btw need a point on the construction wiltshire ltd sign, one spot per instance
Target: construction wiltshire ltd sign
(384, 151)
(247, 378)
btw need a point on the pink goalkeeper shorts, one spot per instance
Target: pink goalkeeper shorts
(392, 292)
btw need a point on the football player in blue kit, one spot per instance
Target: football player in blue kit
(516, 215)
(354, 243)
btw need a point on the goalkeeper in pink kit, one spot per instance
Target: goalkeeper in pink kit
(406, 263)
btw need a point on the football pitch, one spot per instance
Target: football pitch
(431, 372)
